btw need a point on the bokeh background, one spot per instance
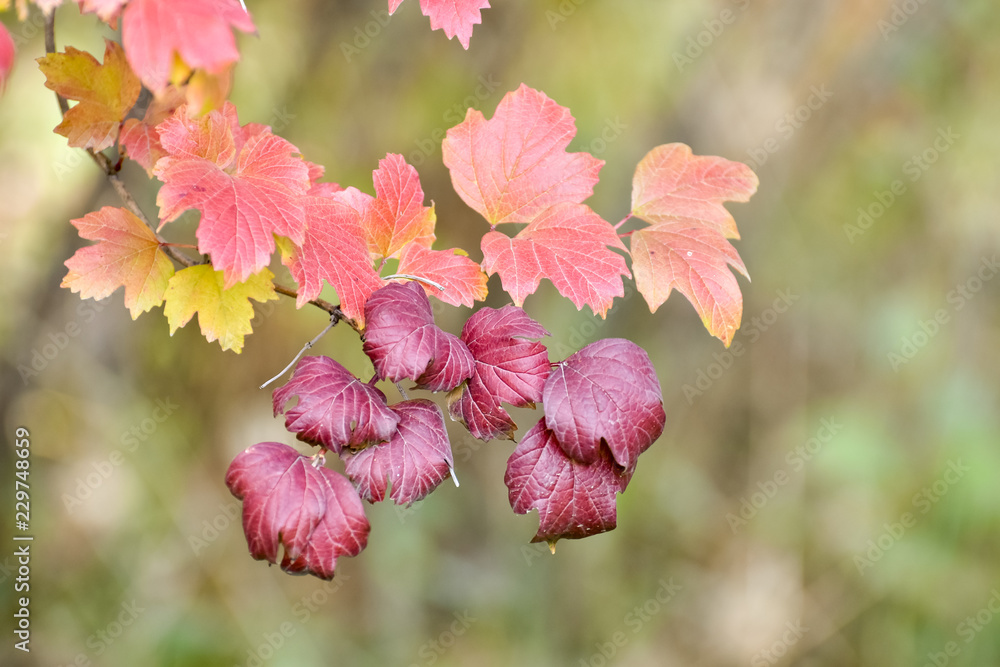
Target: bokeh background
(814, 500)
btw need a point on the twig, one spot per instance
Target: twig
(333, 322)
(419, 279)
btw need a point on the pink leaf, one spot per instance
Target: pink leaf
(402, 340)
(397, 216)
(416, 460)
(510, 367)
(573, 499)
(514, 166)
(455, 17)
(314, 513)
(199, 31)
(7, 53)
(107, 10)
(247, 183)
(463, 280)
(568, 244)
(335, 409)
(608, 391)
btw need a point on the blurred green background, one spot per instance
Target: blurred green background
(826, 497)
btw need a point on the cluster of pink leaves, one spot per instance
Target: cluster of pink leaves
(603, 408)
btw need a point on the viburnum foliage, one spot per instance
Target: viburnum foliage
(263, 208)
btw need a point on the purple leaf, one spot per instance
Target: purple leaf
(608, 390)
(403, 342)
(314, 513)
(510, 367)
(415, 460)
(335, 409)
(573, 499)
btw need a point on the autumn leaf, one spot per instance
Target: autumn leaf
(335, 409)
(570, 245)
(312, 512)
(247, 183)
(455, 17)
(140, 139)
(199, 31)
(7, 53)
(107, 10)
(105, 93)
(605, 394)
(511, 366)
(415, 460)
(224, 313)
(397, 215)
(403, 342)
(515, 165)
(573, 499)
(128, 255)
(463, 279)
(681, 195)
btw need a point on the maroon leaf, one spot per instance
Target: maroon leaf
(415, 460)
(608, 390)
(573, 499)
(402, 340)
(314, 513)
(510, 367)
(335, 408)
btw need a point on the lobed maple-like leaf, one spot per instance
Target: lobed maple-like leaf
(140, 139)
(335, 409)
(247, 183)
(397, 215)
(455, 17)
(607, 392)
(403, 342)
(333, 249)
(415, 460)
(128, 255)
(105, 93)
(7, 53)
(312, 512)
(515, 165)
(570, 245)
(463, 279)
(200, 32)
(224, 313)
(681, 195)
(573, 499)
(511, 366)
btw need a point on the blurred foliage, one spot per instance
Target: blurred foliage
(452, 580)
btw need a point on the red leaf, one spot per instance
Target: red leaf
(514, 166)
(314, 513)
(608, 391)
(463, 280)
(416, 460)
(247, 183)
(402, 340)
(397, 216)
(335, 409)
(681, 195)
(334, 250)
(455, 17)
(140, 139)
(510, 367)
(199, 31)
(573, 499)
(7, 53)
(569, 245)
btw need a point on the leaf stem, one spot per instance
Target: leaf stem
(419, 279)
(333, 322)
(624, 220)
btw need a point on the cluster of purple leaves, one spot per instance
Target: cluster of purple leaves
(603, 408)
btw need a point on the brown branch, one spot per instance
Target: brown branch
(111, 168)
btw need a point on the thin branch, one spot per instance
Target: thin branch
(333, 322)
(419, 279)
